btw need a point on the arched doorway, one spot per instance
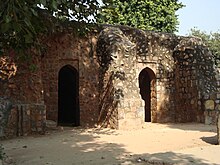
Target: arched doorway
(147, 91)
(68, 96)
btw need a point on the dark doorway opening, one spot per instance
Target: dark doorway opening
(147, 85)
(68, 97)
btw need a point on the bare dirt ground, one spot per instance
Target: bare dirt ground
(78, 146)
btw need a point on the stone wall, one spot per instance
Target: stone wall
(195, 81)
(5, 110)
(185, 76)
(26, 114)
(113, 66)
(69, 49)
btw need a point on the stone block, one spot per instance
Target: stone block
(140, 112)
(217, 107)
(213, 96)
(121, 114)
(208, 120)
(130, 124)
(130, 115)
(209, 105)
(211, 117)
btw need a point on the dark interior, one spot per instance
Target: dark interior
(68, 97)
(145, 79)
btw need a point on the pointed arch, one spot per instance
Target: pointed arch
(147, 90)
(68, 96)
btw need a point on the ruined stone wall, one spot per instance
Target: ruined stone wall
(196, 82)
(158, 56)
(185, 83)
(202, 80)
(69, 49)
(34, 94)
(130, 52)
(23, 91)
(208, 81)
(186, 92)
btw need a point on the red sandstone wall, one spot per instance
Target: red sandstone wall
(68, 49)
(27, 114)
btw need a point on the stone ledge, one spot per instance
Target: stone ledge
(25, 119)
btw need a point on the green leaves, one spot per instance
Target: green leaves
(23, 22)
(28, 39)
(5, 27)
(212, 40)
(158, 15)
(54, 4)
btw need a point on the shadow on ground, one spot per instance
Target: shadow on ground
(68, 147)
(168, 158)
(85, 147)
(211, 140)
(193, 127)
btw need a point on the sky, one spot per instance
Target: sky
(203, 14)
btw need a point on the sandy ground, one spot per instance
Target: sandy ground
(78, 146)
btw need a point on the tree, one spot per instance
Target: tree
(158, 15)
(22, 22)
(212, 40)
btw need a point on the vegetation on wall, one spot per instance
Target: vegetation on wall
(212, 40)
(158, 15)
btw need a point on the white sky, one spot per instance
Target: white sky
(203, 14)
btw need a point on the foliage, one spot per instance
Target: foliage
(22, 22)
(158, 15)
(212, 40)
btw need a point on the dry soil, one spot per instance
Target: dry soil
(80, 146)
